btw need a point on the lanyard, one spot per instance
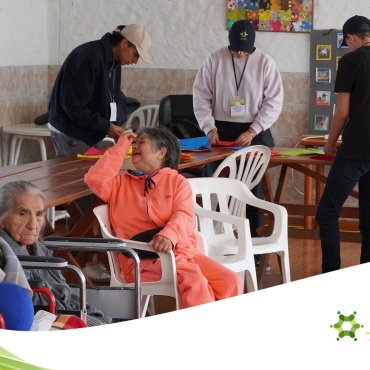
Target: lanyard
(237, 84)
(112, 77)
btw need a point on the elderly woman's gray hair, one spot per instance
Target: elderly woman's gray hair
(162, 137)
(11, 191)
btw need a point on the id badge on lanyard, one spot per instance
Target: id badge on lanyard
(113, 104)
(237, 105)
(113, 112)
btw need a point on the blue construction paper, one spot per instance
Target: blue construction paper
(195, 143)
(237, 147)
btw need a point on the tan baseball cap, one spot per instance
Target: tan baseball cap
(139, 37)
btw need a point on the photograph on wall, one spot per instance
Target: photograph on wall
(340, 40)
(272, 15)
(323, 52)
(321, 123)
(322, 98)
(323, 75)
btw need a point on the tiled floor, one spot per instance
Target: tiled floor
(305, 261)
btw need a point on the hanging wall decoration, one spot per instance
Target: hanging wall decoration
(273, 15)
(325, 53)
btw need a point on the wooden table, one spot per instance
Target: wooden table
(314, 170)
(61, 181)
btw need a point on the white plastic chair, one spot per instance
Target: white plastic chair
(146, 115)
(247, 165)
(222, 244)
(53, 215)
(166, 286)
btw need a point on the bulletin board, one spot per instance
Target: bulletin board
(273, 15)
(325, 52)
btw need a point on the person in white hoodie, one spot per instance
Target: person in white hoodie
(238, 96)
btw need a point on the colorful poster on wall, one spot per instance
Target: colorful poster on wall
(273, 15)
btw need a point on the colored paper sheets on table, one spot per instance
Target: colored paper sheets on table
(228, 144)
(298, 152)
(195, 143)
(202, 144)
(312, 152)
(96, 153)
(186, 157)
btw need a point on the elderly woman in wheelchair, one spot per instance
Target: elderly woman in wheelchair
(21, 224)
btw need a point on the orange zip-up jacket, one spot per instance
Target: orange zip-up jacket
(166, 204)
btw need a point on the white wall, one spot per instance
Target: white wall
(184, 32)
(23, 32)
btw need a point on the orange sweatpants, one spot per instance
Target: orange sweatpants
(200, 279)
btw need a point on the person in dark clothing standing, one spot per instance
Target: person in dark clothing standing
(352, 161)
(83, 102)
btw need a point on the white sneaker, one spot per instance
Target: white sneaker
(97, 272)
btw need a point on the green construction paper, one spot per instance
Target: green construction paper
(299, 152)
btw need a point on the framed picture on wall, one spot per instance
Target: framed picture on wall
(321, 123)
(322, 98)
(323, 74)
(340, 40)
(323, 52)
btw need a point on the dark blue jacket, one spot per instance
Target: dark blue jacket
(87, 82)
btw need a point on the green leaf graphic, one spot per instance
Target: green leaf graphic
(8, 361)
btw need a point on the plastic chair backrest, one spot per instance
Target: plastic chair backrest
(212, 195)
(146, 116)
(247, 165)
(102, 215)
(216, 227)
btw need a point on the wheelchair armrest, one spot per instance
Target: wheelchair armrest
(56, 263)
(89, 245)
(97, 245)
(42, 262)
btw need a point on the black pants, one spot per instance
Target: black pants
(229, 131)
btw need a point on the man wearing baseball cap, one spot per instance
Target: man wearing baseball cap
(351, 164)
(83, 102)
(86, 103)
(355, 25)
(238, 96)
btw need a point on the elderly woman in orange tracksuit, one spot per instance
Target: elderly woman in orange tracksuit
(157, 196)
